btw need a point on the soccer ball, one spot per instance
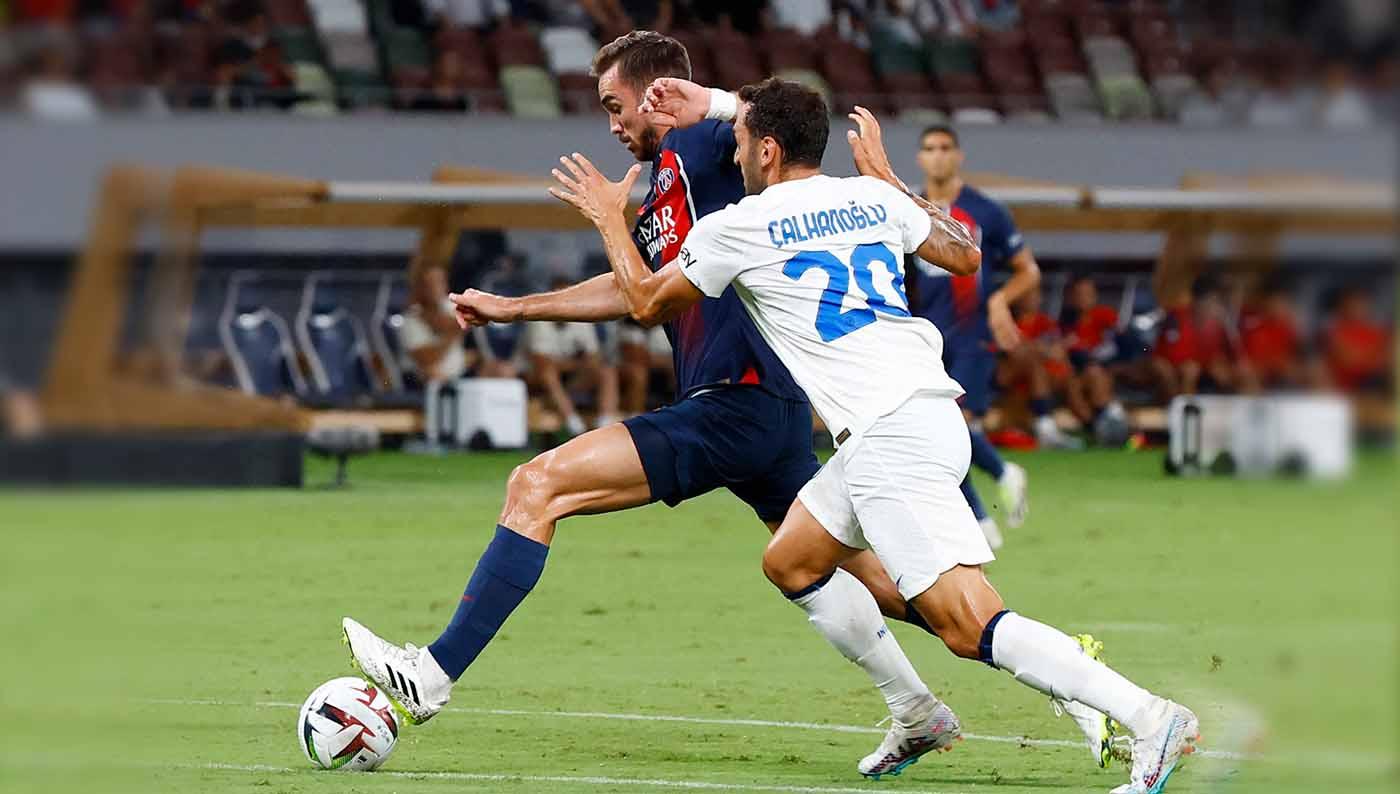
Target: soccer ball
(347, 724)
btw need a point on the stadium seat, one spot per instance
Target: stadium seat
(847, 70)
(350, 52)
(316, 89)
(1171, 92)
(578, 93)
(952, 56)
(516, 46)
(1073, 97)
(892, 55)
(810, 79)
(334, 344)
(568, 50)
(1110, 55)
(384, 327)
(340, 16)
(404, 47)
(288, 13)
(789, 50)
(913, 92)
(530, 92)
(1125, 97)
(299, 45)
(258, 343)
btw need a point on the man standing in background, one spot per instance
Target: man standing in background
(972, 312)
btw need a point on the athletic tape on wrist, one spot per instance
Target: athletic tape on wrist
(723, 105)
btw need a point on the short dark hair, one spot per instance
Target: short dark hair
(642, 56)
(790, 113)
(941, 129)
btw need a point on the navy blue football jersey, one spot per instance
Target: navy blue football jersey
(714, 342)
(957, 305)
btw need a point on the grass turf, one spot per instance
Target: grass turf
(160, 640)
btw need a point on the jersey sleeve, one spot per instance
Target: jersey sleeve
(707, 258)
(725, 143)
(1002, 236)
(914, 222)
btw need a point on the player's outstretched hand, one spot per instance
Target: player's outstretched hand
(589, 191)
(1003, 326)
(474, 308)
(680, 102)
(868, 147)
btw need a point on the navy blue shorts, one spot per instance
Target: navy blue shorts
(973, 369)
(737, 437)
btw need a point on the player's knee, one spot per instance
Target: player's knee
(783, 571)
(532, 489)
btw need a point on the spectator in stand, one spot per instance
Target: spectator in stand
(444, 94)
(1193, 350)
(560, 349)
(1213, 104)
(1342, 105)
(52, 92)
(744, 16)
(430, 334)
(1358, 346)
(804, 16)
(476, 14)
(613, 18)
(910, 22)
(644, 352)
(20, 413)
(1270, 344)
(499, 343)
(1384, 89)
(1039, 363)
(1090, 333)
(1279, 102)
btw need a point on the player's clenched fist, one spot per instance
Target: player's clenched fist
(474, 308)
(681, 102)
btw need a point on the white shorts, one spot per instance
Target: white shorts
(894, 489)
(561, 340)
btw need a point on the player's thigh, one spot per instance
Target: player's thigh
(597, 472)
(803, 551)
(903, 478)
(779, 461)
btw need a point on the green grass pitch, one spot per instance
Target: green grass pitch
(159, 640)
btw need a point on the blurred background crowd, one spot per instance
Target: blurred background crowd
(1236, 62)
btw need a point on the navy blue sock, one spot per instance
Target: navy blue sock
(985, 456)
(913, 618)
(504, 575)
(1041, 406)
(973, 500)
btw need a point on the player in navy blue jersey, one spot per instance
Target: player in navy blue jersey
(740, 422)
(973, 312)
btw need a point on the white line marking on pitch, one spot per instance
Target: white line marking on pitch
(581, 781)
(1337, 759)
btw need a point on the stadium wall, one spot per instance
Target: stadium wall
(54, 167)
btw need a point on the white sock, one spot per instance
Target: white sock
(1047, 660)
(846, 614)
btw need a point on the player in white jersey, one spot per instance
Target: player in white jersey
(816, 262)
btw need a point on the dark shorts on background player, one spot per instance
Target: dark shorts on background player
(738, 437)
(974, 370)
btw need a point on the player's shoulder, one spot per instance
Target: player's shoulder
(696, 140)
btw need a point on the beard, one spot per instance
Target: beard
(753, 176)
(648, 144)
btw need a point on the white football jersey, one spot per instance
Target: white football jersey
(819, 265)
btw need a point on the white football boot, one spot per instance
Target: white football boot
(1157, 754)
(1050, 436)
(991, 532)
(1013, 484)
(1101, 733)
(904, 745)
(408, 675)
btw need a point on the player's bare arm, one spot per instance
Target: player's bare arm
(685, 103)
(949, 245)
(1025, 276)
(594, 300)
(651, 298)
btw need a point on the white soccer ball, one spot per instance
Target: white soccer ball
(347, 724)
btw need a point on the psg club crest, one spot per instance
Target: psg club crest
(665, 179)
